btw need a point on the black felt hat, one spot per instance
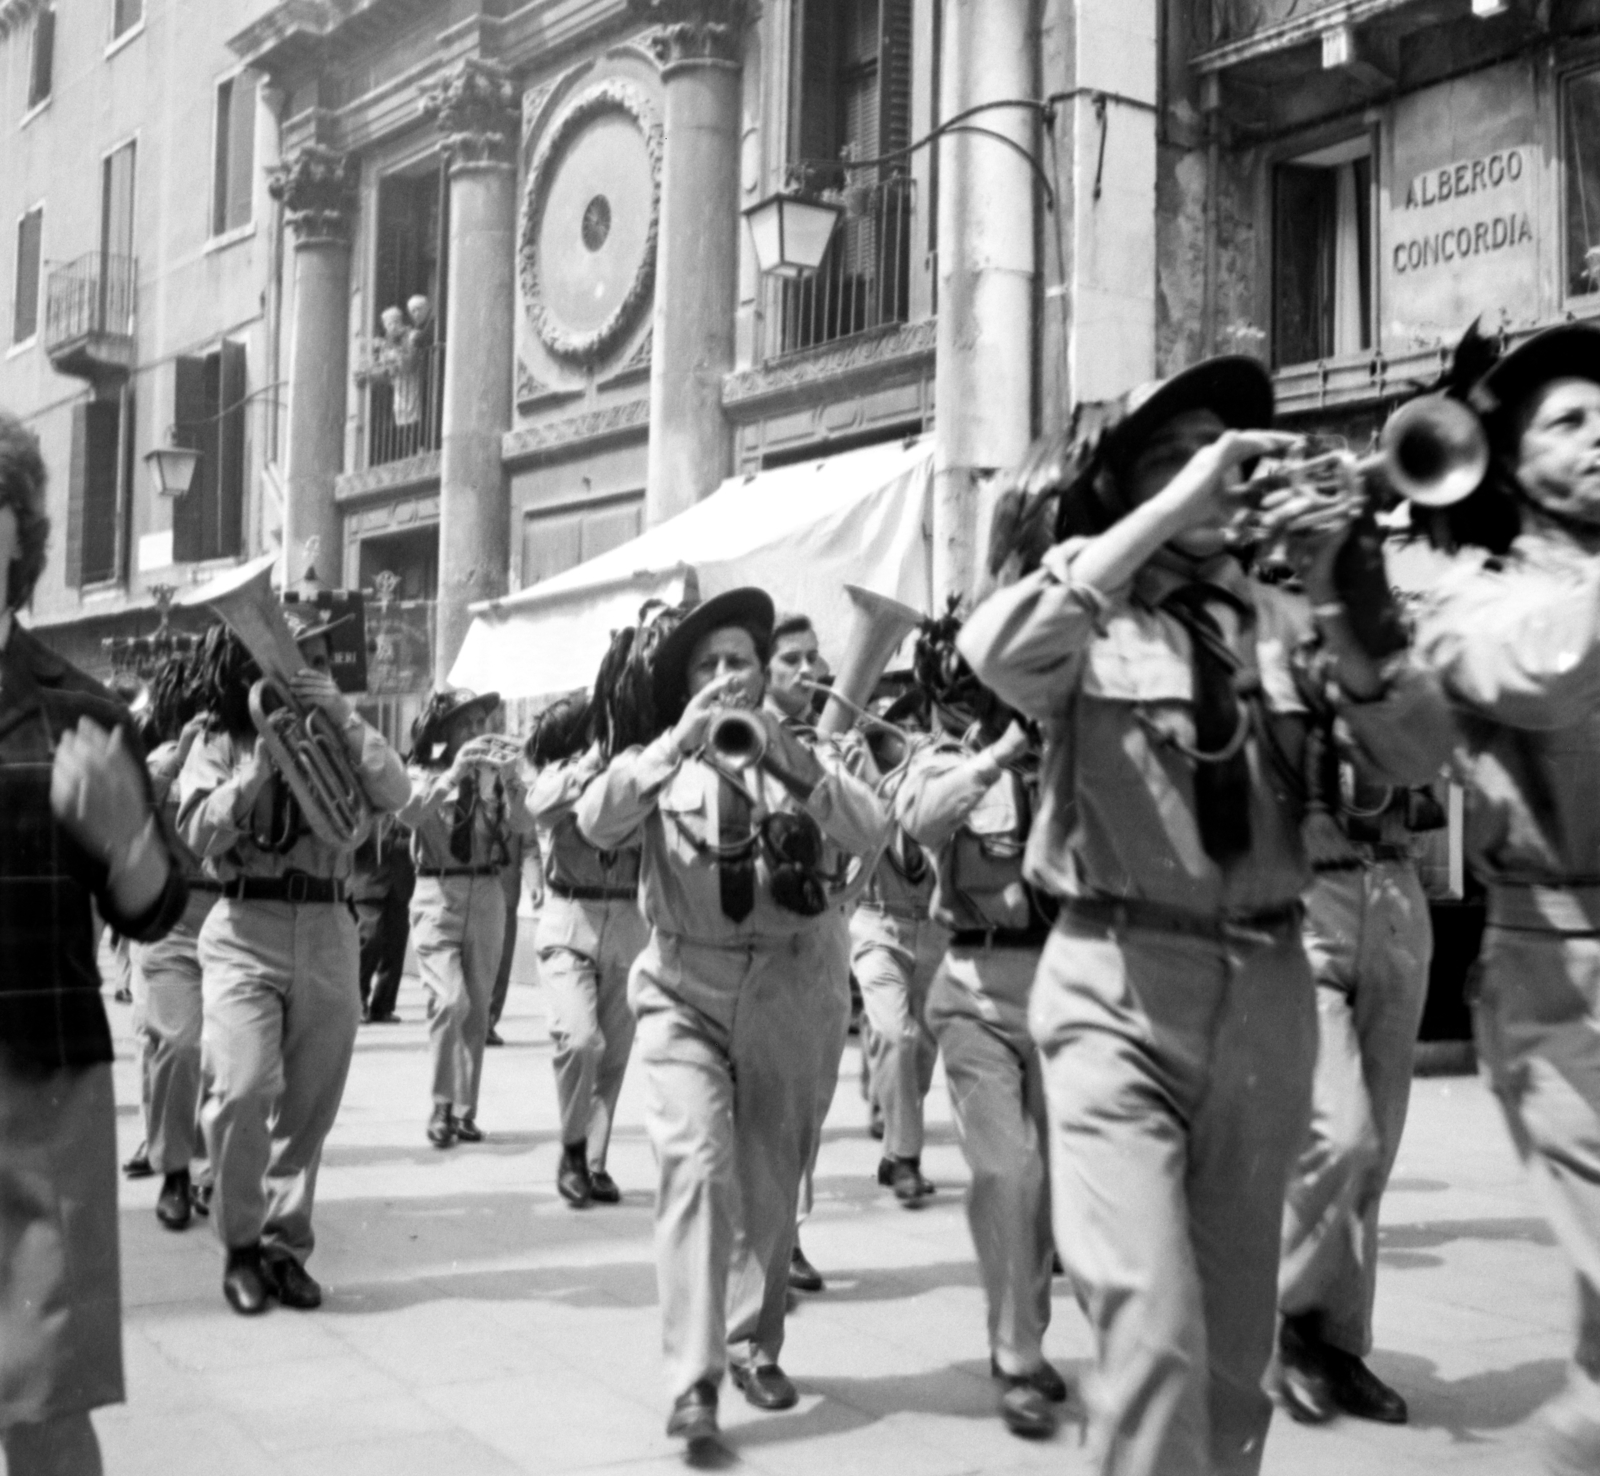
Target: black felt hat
(443, 707)
(747, 608)
(1234, 387)
(1569, 351)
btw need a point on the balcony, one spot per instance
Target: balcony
(405, 402)
(88, 316)
(864, 282)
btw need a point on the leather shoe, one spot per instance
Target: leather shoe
(1045, 1378)
(875, 1121)
(603, 1188)
(291, 1283)
(572, 1180)
(493, 1038)
(766, 1385)
(803, 1276)
(1301, 1376)
(1026, 1411)
(1360, 1392)
(441, 1126)
(200, 1197)
(172, 1204)
(139, 1166)
(467, 1129)
(694, 1416)
(904, 1176)
(244, 1282)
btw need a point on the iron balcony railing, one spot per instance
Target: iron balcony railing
(405, 400)
(864, 280)
(89, 298)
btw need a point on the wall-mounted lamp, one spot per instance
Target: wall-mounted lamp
(790, 233)
(172, 469)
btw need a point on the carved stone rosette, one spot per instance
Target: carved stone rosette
(693, 30)
(316, 186)
(478, 112)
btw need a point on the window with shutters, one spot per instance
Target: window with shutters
(41, 57)
(852, 102)
(553, 542)
(1322, 254)
(97, 474)
(125, 15)
(209, 415)
(25, 296)
(233, 174)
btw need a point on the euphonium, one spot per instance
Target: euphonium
(304, 744)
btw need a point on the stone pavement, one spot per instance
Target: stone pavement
(475, 1325)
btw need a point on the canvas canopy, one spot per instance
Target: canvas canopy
(800, 532)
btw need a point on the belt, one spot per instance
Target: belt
(292, 886)
(1112, 912)
(999, 937)
(1573, 910)
(591, 894)
(1367, 853)
(459, 870)
(202, 884)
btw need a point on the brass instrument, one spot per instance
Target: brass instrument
(1432, 451)
(491, 751)
(304, 744)
(736, 737)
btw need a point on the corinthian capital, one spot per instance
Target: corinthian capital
(477, 111)
(693, 30)
(315, 184)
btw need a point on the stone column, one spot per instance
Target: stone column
(985, 355)
(699, 44)
(313, 185)
(476, 110)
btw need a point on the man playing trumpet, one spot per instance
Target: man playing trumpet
(730, 993)
(467, 801)
(279, 959)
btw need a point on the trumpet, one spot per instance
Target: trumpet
(1432, 451)
(491, 751)
(736, 737)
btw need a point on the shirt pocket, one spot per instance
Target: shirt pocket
(685, 812)
(1139, 671)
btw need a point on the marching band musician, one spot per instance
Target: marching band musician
(167, 970)
(590, 930)
(1173, 1004)
(1515, 635)
(279, 959)
(729, 993)
(80, 833)
(462, 812)
(967, 797)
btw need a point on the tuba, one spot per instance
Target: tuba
(304, 745)
(878, 625)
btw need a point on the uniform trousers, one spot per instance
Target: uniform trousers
(586, 949)
(894, 960)
(167, 980)
(281, 1012)
(732, 1041)
(1178, 1071)
(836, 1023)
(978, 1012)
(1538, 1028)
(1369, 941)
(458, 926)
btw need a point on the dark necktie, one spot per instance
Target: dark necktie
(1221, 786)
(736, 864)
(461, 830)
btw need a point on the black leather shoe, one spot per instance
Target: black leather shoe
(572, 1179)
(493, 1038)
(291, 1283)
(904, 1176)
(603, 1188)
(1027, 1412)
(244, 1281)
(766, 1386)
(875, 1121)
(467, 1129)
(1360, 1392)
(803, 1276)
(139, 1166)
(200, 1197)
(1044, 1378)
(441, 1126)
(694, 1416)
(172, 1204)
(1301, 1376)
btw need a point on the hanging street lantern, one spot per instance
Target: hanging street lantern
(172, 469)
(790, 233)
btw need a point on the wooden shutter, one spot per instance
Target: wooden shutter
(25, 307)
(230, 449)
(116, 209)
(894, 78)
(92, 493)
(241, 150)
(189, 427)
(816, 127)
(43, 60)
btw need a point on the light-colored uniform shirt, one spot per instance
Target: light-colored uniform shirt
(673, 802)
(435, 807)
(224, 829)
(1109, 673)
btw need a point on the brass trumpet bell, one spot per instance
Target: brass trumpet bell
(736, 737)
(1434, 451)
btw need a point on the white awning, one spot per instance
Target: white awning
(800, 532)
